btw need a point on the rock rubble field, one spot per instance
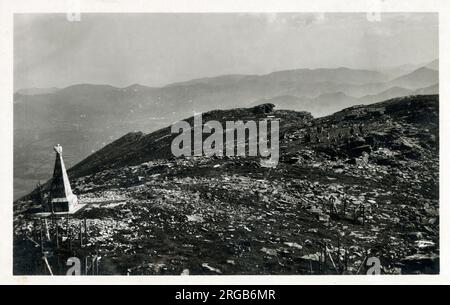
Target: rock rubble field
(360, 184)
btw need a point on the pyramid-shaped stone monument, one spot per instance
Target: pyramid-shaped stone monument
(61, 197)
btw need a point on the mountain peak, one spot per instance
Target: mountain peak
(418, 78)
(85, 87)
(135, 86)
(338, 94)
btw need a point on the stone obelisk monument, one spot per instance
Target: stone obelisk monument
(61, 197)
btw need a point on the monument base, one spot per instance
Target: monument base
(67, 204)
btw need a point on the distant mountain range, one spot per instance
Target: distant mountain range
(85, 117)
(423, 80)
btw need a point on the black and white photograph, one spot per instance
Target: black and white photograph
(226, 143)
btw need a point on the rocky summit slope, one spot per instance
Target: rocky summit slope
(83, 118)
(361, 183)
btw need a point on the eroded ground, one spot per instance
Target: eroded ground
(327, 207)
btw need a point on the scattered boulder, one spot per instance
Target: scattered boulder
(263, 108)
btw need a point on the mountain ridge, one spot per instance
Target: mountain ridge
(133, 145)
(86, 117)
(362, 180)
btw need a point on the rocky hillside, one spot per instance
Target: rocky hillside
(85, 117)
(362, 182)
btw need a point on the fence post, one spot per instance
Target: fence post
(85, 229)
(81, 235)
(41, 237)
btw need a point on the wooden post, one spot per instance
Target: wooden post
(67, 226)
(47, 232)
(81, 235)
(331, 259)
(364, 215)
(344, 207)
(41, 237)
(53, 224)
(96, 263)
(47, 264)
(320, 261)
(24, 231)
(35, 232)
(85, 229)
(59, 264)
(339, 252)
(362, 263)
(345, 260)
(33, 241)
(69, 233)
(56, 234)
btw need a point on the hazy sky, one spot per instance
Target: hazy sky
(158, 49)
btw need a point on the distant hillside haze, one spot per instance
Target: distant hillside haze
(422, 77)
(434, 65)
(36, 91)
(434, 89)
(83, 118)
